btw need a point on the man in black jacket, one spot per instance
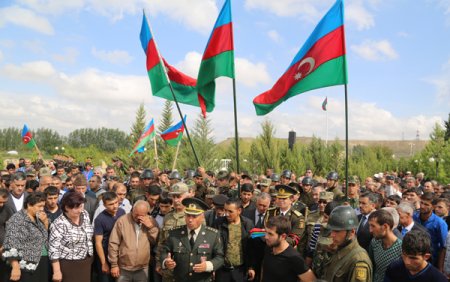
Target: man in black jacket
(234, 230)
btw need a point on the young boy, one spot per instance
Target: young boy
(416, 250)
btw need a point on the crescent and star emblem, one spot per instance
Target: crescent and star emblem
(26, 139)
(311, 62)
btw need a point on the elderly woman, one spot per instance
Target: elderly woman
(26, 241)
(71, 248)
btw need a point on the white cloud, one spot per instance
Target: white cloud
(117, 57)
(25, 18)
(190, 64)
(33, 71)
(274, 36)
(306, 9)
(53, 7)
(69, 56)
(358, 14)
(375, 50)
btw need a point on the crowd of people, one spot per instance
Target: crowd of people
(64, 222)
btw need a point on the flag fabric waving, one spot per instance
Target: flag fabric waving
(174, 134)
(319, 63)
(147, 135)
(218, 58)
(27, 138)
(183, 85)
(324, 104)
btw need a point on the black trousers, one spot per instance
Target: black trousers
(236, 274)
(39, 275)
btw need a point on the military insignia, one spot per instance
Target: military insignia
(360, 272)
(182, 232)
(192, 206)
(203, 246)
(203, 233)
(301, 224)
(180, 244)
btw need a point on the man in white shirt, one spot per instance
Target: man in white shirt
(17, 189)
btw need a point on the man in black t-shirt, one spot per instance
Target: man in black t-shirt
(281, 261)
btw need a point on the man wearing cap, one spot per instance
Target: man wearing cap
(306, 196)
(217, 211)
(350, 262)
(286, 177)
(200, 188)
(223, 184)
(173, 219)
(174, 177)
(352, 197)
(284, 208)
(297, 204)
(333, 184)
(192, 252)
(90, 205)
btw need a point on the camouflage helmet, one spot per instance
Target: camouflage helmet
(307, 181)
(147, 174)
(175, 175)
(275, 177)
(343, 218)
(333, 175)
(286, 173)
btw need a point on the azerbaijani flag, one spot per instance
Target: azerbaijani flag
(147, 135)
(324, 104)
(183, 85)
(27, 138)
(319, 63)
(174, 134)
(218, 58)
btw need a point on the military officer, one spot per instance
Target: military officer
(352, 197)
(193, 251)
(200, 187)
(333, 185)
(283, 207)
(297, 204)
(286, 177)
(307, 197)
(350, 262)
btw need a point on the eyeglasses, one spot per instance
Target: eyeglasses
(323, 202)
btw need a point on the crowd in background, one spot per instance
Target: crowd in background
(65, 222)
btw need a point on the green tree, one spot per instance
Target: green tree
(139, 124)
(318, 153)
(166, 116)
(47, 139)
(436, 151)
(268, 147)
(166, 154)
(105, 139)
(10, 139)
(447, 129)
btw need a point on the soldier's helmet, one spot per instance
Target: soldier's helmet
(307, 181)
(333, 175)
(286, 173)
(190, 174)
(147, 174)
(343, 218)
(175, 175)
(275, 177)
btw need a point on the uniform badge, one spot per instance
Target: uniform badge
(361, 273)
(301, 224)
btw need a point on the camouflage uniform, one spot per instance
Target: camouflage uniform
(322, 253)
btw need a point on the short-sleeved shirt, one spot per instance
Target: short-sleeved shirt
(285, 266)
(103, 225)
(397, 271)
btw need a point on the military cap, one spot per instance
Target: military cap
(390, 177)
(265, 182)
(275, 177)
(179, 188)
(296, 186)
(194, 206)
(285, 191)
(223, 174)
(326, 196)
(219, 200)
(197, 173)
(31, 173)
(210, 192)
(307, 181)
(247, 187)
(80, 180)
(147, 174)
(45, 171)
(175, 175)
(286, 173)
(353, 179)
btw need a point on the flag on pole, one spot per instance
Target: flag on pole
(174, 134)
(218, 58)
(183, 85)
(324, 104)
(319, 63)
(27, 138)
(147, 135)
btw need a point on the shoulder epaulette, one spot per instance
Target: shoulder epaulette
(271, 208)
(212, 229)
(177, 227)
(297, 213)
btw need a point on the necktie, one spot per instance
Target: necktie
(259, 224)
(192, 241)
(404, 230)
(363, 222)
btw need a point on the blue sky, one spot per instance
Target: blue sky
(78, 63)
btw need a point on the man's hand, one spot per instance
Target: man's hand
(251, 274)
(200, 267)
(115, 272)
(57, 276)
(169, 262)
(105, 268)
(146, 221)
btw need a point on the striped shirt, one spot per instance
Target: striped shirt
(69, 241)
(381, 258)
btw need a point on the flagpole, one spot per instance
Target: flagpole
(176, 156)
(346, 140)
(156, 152)
(236, 135)
(174, 97)
(39, 151)
(326, 141)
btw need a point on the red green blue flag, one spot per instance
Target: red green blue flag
(324, 104)
(147, 135)
(218, 58)
(161, 73)
(174, 134)
(27, 138)
(320, 63)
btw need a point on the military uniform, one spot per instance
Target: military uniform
(307, 198)
(322, 254)
(336, 191)
(350, 263)
(297, 222)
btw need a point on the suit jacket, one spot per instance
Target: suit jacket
(416, 227)
(10, 202)
(90, 206)
(207, 244)
(250, 214)
(363, 234)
